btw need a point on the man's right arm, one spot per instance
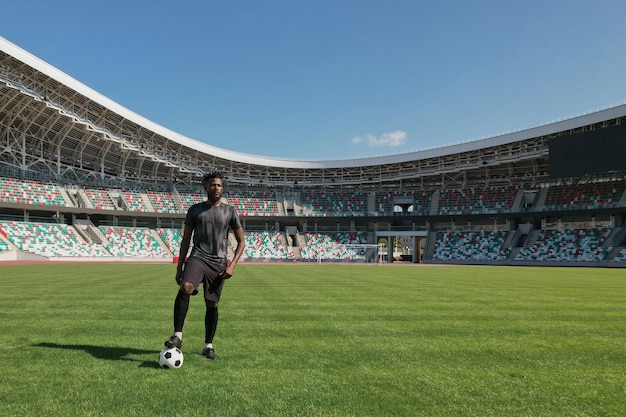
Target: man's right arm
(184, 250)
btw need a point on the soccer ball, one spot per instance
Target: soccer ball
(171, 358)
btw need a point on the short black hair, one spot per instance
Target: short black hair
(210, 175)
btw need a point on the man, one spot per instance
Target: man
(209, 222)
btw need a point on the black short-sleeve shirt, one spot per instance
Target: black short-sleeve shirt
(211, 225)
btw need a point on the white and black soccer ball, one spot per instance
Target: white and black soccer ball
(171, 358)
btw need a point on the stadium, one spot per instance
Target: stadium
(85, 179)
(483, 278)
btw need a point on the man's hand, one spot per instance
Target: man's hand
(228, 272)
(179, 274)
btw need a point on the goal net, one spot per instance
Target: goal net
(342, 252)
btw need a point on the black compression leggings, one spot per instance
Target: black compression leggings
(210, 322)
(181, 306)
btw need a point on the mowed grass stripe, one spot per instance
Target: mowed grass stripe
(310, 340)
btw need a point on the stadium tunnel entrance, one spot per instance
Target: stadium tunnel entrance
(404, 246)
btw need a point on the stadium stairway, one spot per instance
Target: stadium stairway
(81, 229)
(431, 243)
(512, 239)
(89, 232)
(511, 243)
(66, 197)
(82, 200)
(6, 243)
(434, 208)
(145, 200)
(621, 256)
(622, 200)
(517, 202)
(615, 252)
(616, 239)
(157, 238)
(297, 252)
(541, 199)
(532, 238)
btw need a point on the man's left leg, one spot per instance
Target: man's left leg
(210, 326)
(213, 284)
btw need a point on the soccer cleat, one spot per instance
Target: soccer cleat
(174, 342)
(209, 353)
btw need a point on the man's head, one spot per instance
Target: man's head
(210, 175)
(213, 183)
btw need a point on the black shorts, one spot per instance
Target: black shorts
(198, 271)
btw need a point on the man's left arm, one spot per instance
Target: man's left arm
(241, 244)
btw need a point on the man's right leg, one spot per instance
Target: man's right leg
(192, 277)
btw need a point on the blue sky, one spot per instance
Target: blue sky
(335, 79)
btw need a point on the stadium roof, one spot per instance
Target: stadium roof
(49, 118)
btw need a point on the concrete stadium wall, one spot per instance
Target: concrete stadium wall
(16, 255)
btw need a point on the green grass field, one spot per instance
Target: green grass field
(309, 340)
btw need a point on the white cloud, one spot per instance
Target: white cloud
(392, 139)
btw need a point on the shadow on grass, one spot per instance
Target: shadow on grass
(109, 353)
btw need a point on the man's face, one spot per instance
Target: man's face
(214, 188)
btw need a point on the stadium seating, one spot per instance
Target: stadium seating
(568, 245)
(422, 202)
(4, 246)
(164, 202)
(582, 244)
(420, 198)
(253, 203)
(346, 238)
(621, 256)
(584, 196)
(190, 198)
(132, 241)
(384, 202)
(30, 192)
(48, 239)
(477, 245)
(474, 200)
(172, 238)
(334, 203)
(134, 200)
(266, 245)
(332, 246)
(100, 198)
